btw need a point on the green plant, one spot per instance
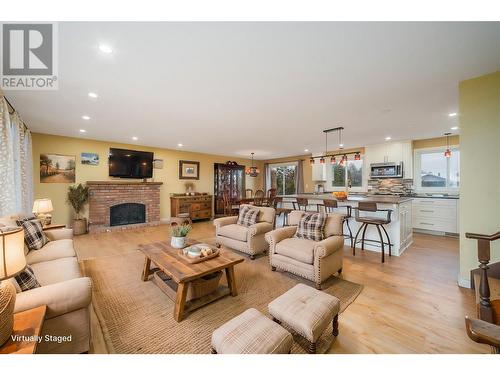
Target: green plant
(78, 195)
(177, 230)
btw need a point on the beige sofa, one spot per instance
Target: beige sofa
(315, 261)
(63, 289)
(249, 240)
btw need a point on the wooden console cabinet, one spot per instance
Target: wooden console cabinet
(198, 206)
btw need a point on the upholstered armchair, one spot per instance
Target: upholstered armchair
(249, 240)
(314, 261)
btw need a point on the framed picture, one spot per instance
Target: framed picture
(189, 170)
(56, 168)
(89, 158)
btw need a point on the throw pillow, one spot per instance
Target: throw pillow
(248, 216)
(26, 279)
(312, 226)
(34, 236)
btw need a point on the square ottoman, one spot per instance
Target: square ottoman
(307, 311)
(251, 333)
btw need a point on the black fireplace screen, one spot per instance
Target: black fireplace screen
(127, 213)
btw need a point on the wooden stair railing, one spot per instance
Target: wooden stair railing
(486, 329)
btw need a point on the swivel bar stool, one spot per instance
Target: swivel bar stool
(377, 221)
(329, 205)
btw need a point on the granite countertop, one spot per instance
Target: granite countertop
(433, 196)
(387, 199)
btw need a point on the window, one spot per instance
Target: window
(283, 177)
(435, 172)
(348, 175)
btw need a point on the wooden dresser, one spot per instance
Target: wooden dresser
(198, 206)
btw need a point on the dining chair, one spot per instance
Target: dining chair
(258, 198)
(248, 193)
(229, 207)
(277, 204)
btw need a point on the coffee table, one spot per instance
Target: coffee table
(167, 259)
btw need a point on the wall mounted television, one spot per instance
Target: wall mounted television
(130, 164)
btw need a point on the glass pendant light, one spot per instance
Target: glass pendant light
(252, 171)
(311, 161)
(357, 156)
(333, 160)
(447, 153)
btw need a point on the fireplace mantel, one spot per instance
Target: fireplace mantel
(106, 194)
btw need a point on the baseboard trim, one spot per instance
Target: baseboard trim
(464, 283)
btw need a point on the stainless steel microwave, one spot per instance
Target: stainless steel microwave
(386, 170)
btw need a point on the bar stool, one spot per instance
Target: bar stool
(329, 205)
(279, 209)
(377, 221)
(302, 203)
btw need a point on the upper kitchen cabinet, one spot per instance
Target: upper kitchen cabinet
(319, 172)
(392, 152)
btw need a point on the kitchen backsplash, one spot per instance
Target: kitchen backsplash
(400, 186)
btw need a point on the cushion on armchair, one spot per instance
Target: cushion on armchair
(297, 248)
(234, 231)
(312, 226)
(248, 216)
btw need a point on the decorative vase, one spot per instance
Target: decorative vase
(7, 302)
(79, 226)
(178, 242)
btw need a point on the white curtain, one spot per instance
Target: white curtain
(16, 164)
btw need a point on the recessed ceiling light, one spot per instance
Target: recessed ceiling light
(85, 117)
(452, 114)
(93, 95)
(135, 138)
(105, 48)
(180, 144)
(341, 145)
(83, 131)
(454, 128)
(388, 138)
(306, 150)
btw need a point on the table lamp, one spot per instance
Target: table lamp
(12, 261)
(42, 208)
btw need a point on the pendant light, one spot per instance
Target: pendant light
(252, 171)
(311, 161)
(447, 153)
(322, 160)
(333, 160)
(357, 156)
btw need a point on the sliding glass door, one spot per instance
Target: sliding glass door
(283, 178)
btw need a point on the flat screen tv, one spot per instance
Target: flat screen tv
(130, 163)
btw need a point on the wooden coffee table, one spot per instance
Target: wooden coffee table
(168, 260)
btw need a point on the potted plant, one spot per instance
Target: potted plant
(78, 195)
(179, 233)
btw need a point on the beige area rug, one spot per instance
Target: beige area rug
(136, 317)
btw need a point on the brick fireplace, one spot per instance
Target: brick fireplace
(117, 205)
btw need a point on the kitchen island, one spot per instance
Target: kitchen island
(400, 229)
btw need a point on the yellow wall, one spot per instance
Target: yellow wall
(44, 143)
(435, 142)
(479, 166)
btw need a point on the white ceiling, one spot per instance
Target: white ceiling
(268, 88)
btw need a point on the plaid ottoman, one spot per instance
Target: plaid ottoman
(307, 311)
(251, 333)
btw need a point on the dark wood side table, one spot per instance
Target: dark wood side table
(26, 323)
(53, 226)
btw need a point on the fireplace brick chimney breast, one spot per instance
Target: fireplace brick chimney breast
(105, 194)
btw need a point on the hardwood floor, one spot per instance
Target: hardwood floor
(410, 304)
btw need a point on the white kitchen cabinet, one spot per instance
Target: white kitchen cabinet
(435, 214)
(319, 172)
(405, 226)
(392, 152)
